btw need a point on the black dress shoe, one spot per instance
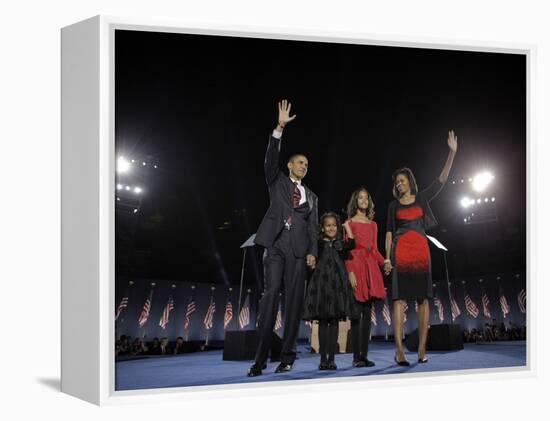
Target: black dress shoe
(323, 366)
(331, 365)
(358, 363)
(368, 363)
(256, 370)
(283, 368)
(402, 363)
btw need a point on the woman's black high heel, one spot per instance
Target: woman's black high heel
(401, 363)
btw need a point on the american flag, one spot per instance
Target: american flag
(209, 316)
(123, 304)
(439, 306)
(522, 301)
(471, 307)
(373, 316)
(279, 319)
(386, 313)
(228, 316)
(485, 301)
(146, 310)
(504, 305)
(165, 318)
(190, 310)
(244, 315)
(405, 308)
(455, 310)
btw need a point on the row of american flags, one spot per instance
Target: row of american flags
(191, 308)
(470, 307)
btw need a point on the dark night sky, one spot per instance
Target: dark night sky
(204, 106)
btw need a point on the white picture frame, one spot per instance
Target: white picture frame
(88, 167)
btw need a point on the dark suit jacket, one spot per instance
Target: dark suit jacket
(304, 230)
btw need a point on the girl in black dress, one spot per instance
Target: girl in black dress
(329, 294)
(407, 251)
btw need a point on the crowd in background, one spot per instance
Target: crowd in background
(496, 332)
(126, 346)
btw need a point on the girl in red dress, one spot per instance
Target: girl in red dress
(363, 268)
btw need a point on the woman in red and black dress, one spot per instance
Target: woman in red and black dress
(407, 250)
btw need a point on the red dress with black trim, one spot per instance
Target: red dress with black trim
(365, 261)
(411, 276)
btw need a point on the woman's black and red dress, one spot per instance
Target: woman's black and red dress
(410, 252)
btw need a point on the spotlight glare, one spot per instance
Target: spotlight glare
(465, 220)
(478, 200)
(492, 199)
(465, 202)
(137, 190)
(119, 186)
(135, 210)
(154, 166)
(128, 188)
(144, 164)
(122, 165)
(486, 199)
(481, 181)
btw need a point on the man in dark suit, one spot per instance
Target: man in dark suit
(289, 233)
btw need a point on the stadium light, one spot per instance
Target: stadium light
(123, 165)
(466, 202)
(482, 180)
(137, 190)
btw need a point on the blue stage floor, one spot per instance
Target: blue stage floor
(208, 368)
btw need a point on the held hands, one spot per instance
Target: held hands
(284, 114)
(387, 267)
(310, 261)
(352, 281)
(452, 141)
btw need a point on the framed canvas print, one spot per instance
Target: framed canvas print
(246, 209)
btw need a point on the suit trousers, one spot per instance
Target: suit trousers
(280, 265)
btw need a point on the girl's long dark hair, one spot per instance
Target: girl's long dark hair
(412, 181)
(339, 230)
(352, 204)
